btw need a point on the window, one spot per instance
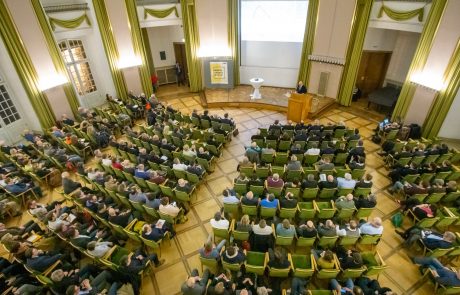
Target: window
(78, 66)
(8, 112)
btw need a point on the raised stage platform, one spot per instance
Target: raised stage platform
(273, 98)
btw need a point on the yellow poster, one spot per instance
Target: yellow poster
(219, 72)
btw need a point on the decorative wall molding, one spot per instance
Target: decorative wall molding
(327, 59)
(66, 7)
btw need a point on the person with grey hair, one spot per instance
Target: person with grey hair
(346, 181)
(310, 182)
(275, 181)
(294, 164)
(432, 240)
(345, 202)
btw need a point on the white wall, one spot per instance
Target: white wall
(162, 39)
(16, 90)
(333, 28)
(451, 126)
(444, 44)
(212, 27)
(380, 39)
(403, 53)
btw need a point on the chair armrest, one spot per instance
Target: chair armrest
(274, 232)
(290, 260)
(267, 258)
(382, 262)
(232, 226)
(110, 252)
(131, 224)
(51, 268)
(313, 261)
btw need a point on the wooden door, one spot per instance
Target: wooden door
(181, 58)
(372, 70)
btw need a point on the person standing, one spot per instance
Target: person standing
(179, 74)
(301, 89)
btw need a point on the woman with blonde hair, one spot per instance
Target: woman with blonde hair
(244, 224)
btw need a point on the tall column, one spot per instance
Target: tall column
(431, 77)
(32, 66)
(333, 27)
(420, 57)
(354, 51)
(309, 35)
(56, 55)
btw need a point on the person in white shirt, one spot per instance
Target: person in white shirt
(346, 182)
(230, 197)
(219, 221)
(262, 228)
(168, 208)
(99, 249)
(373, 227)
(314, 150)
(106, 160)
(177, 165)
(187, 151)
(351, 229)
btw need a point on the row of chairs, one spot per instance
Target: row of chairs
(291, 175)
(300, 194)
(302, 266)
(337, 133)
(303, 210)
(453, 174)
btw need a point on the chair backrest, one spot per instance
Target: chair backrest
(327, 242)
(439, 252)
(249, 210)
(348, 240)
(306, 210)
(284, 241)
(267, 212)
(310, 193)
(221, 233)
(231, 266)
(288, 212)
(255, 262)
(167, 217)
(151, 212)
(364, 212)
(279, 272)
(327, 193)
(369, 239)
(427, 222)
(182, 196)
(240, 235)
(305, 242)
(352, 272)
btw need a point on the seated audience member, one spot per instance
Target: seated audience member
(288, 201)
(94, 286)
(324, 259)
(372, 286)
(39, 260)
(275, 181)
(431, 240)
(346, 182)
(141, 173)
(136, 195)
(195, 285)
(135, 262)
(156, 232)
(98, 249)
(278, 258)
(325, 165)
(373, 227)
(294, 164)
(269, 202)
(442, 275)
(219, 221)
(210, 250)
(122, 218)
(68, 185)
(285, 229)
(313, 150)
(233, 255)
(262, 228)
(156, 177)
(230, 197)
(177, 165)
(366, 182)
(420, 211)
(330, 182)
(356, 162)
(350, 230)
(242, 179)
(309, 182)
(244, 163)
(369, 201)
(328, 229)
(249, 199)
(183, 186)
(221, 284)
(421, 187)
(244, 224)
(349, 258)
(307, 230)
(255, 181)
(347, 287)
(345, 202)
(171, 209)
(253, 153)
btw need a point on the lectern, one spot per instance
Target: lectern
(299, 106)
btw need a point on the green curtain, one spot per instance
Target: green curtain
(110, 47)
(354, 51)
(160, 13)
(401, 15)
(421, 55)
(148, 50)
(192, 43)
(233, 37)
(308, 38)
(138, 45)
(25, 69)
(445, 97)
(56, 56)
(68, 23)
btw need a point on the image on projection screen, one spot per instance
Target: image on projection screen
(277, 21)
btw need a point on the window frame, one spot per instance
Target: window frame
(16, 114)
(72, 67)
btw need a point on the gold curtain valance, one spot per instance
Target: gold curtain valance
(160, 13)
(401, 15)
(69, 23)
